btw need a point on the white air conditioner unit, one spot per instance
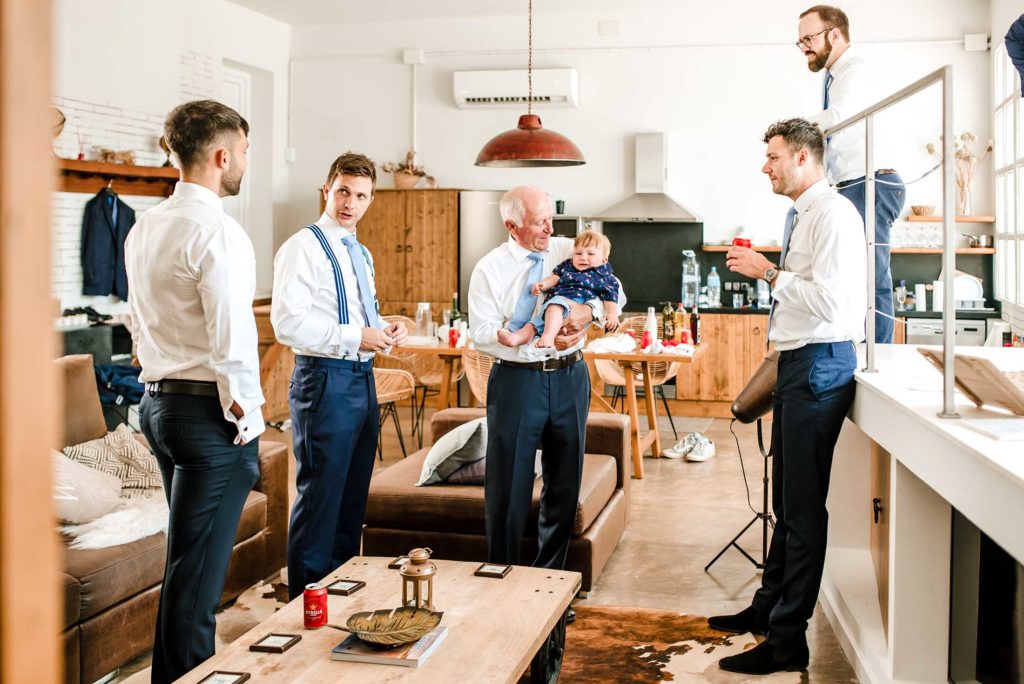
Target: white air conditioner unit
(511, 88)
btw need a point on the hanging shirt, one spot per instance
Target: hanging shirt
(495, 286)
(848, 94)
(821, 293)
(192, 275)
(304, 308)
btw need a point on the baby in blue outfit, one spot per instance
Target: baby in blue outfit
(585, 277)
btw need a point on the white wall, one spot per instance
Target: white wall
(737, 72)
(122, 65)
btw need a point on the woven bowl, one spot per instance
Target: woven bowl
(922, 209)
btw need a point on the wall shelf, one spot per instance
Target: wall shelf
(959, 219)
(726, 248)
(936, 250)
(124, 179)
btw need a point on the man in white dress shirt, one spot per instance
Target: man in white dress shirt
(532, 402)
(846, 90)
(325, 308)
(192, 275)
(819, 302)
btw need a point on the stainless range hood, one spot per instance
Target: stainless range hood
(650, 204)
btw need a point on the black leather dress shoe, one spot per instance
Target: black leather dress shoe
(570, 616)
(742, 622)
(764, 659)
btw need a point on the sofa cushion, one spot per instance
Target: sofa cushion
(396, 502)
(254, 516)
(465, 444)
(108, 576)
(118, 453)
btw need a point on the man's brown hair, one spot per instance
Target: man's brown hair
(799, 133)
(193, 128)
(833, 17)
(591, 238)
(352, 164)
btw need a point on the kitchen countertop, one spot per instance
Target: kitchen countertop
(962, 314)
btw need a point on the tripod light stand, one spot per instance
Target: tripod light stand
(763, 515)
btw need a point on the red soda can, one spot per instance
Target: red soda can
(453, 337)
(314, 606)
(741, 242)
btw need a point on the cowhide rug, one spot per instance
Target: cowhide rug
(613, 644)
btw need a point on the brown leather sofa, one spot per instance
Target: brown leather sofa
(111, 595)
(450, 518)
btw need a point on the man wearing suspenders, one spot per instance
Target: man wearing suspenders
(325, 308)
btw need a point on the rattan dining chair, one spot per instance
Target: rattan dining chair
(661, 371)
(393, 385)
(478, 370)
(428, 372)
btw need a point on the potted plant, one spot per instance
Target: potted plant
(407, 174)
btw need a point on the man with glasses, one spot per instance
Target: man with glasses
(825, 41)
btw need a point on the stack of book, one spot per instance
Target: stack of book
(408, 655)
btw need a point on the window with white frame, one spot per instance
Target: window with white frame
(1008, 142)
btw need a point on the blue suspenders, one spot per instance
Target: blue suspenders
(339, 284)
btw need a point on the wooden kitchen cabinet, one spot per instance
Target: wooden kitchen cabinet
(734, 346)
(413, 236)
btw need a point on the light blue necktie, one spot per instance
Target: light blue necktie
(787, 235)
(824, 97)
(359, 265)
(527, 301)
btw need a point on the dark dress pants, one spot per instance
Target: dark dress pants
(529, 410)
(812, 396)
(207, 478)
(335, 422)
(890, 195)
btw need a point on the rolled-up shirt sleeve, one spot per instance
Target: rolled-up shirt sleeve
(226, 268)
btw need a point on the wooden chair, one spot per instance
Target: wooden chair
(392, 386)
(661, 371)
(427, 370)
(478, 370)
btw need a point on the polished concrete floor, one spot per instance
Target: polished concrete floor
(681, 515)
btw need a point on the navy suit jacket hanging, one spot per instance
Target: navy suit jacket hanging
(104, 228)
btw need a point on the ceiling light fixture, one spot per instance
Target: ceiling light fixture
(529, 144)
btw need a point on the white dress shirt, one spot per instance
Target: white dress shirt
(821, 292)
(191, 278)
(498, 280)
(304, 308)
(848, 95)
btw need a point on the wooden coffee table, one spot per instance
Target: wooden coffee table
(497, 629)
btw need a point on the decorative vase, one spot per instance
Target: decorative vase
(964, 201)
(405, 181)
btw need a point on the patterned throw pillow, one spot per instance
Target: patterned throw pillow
(118, 453)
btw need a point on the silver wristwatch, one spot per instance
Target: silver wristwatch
(771, 274)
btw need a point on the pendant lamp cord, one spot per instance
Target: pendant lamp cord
(529, 63)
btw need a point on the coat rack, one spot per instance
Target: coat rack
(124, 179)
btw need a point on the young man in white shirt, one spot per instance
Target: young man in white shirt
(825, 41)
(819, 302)
(191, 276)
(325, 308)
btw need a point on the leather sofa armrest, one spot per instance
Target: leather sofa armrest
(608, 433)
(273, 483)
(446, 420)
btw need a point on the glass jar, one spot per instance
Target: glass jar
(423, 319)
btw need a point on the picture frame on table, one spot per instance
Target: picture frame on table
(398, 563)
(493, 570)
(275, 643)
(222, 677)
(345, 587)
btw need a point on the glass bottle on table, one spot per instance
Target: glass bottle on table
(695, 325)
(668, 324)
(454, 315)
(901, 295)
(679, 322)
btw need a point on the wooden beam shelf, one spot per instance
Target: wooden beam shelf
(124, 179)
(959, 219)
(726, 248)
(936, 250)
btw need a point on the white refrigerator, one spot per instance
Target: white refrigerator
(480, 231)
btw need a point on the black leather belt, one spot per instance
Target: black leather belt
(194, 388)
(547, 364)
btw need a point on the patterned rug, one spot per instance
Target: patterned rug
(613, 644)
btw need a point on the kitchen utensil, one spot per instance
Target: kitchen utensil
(966, 286)
(978, 240)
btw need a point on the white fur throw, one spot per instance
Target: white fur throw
(134, 519)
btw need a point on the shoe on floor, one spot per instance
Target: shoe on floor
(682, 447)
(702, 450)
(742, 622)
(764, 659)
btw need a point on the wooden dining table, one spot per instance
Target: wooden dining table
(628, 361)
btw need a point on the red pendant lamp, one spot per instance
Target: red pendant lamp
(530, 144)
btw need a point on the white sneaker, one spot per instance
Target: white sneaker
(702, 451)
(681, 448)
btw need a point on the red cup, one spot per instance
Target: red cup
(741, 242)
(684, 337)
(453, 337)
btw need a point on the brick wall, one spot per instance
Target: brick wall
(93, 125)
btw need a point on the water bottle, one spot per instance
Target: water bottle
(691, 278)
(714, 288)
(423, 318)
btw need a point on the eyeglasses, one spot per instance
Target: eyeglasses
(805, 42)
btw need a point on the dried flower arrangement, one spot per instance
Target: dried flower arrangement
(408, 173)
(967, 162)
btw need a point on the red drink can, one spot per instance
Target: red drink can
(314, 606)
(741, 242)
(453, 337)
